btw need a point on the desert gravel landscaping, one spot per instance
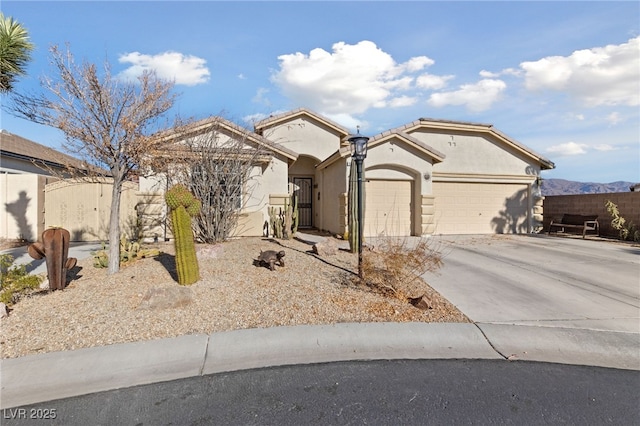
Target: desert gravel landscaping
(143, 301)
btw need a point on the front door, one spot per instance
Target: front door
(304, 195)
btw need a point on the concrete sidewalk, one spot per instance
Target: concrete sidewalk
(45, 377)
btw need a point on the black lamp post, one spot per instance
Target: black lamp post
(358, 145)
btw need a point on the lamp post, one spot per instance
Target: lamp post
(358, 145)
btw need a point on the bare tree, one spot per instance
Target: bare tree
(107, 122)
(218, 161)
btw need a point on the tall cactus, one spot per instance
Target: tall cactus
(353, 225)
(183, 206)
(55, 249)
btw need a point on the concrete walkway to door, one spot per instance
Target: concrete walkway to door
(581, 294)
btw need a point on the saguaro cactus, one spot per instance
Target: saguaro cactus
(55, 249)
(183, 206)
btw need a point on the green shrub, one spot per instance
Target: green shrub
(15, 280)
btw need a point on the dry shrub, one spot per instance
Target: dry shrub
(394, 266)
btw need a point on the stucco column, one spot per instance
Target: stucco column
(427, 217)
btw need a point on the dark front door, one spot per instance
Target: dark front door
(304, 195)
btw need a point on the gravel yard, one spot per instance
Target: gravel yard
(97, 309)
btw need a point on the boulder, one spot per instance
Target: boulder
(3, 310)
(166, 298)
(327, 247)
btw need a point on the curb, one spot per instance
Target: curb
(45, 377)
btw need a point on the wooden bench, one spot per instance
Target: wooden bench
(576, 221)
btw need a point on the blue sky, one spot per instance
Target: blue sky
(562, 78)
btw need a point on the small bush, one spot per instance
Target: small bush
(129, 251)
(15, 280)
(395, 264)
(626, 230)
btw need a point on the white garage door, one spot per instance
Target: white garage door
(480, 208)
(388, 207)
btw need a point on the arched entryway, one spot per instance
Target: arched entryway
(302, 177)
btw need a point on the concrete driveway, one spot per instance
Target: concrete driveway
(543, 281)
(549, 299)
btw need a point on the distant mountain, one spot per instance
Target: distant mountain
(568, 187)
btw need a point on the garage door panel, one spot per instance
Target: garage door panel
(480, 208)
(388, 208)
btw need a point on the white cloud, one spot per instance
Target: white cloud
(604, 147)
(261, 96)
(476, 97)
(613, 118)
(348, 80)
(402, 101)
(348, 121)
(433, 82)
(242, 76)
(607, 75)
(567, 149)
(183, 69)
(506, 71)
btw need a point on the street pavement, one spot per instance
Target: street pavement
(550, 299)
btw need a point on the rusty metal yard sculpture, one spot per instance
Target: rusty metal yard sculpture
(55, 249)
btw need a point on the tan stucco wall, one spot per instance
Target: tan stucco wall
(476, 154)
(22, 200)
(84, 208)
(305, 137)
(334, 186)
(265, 179)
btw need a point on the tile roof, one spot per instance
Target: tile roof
(17, 146)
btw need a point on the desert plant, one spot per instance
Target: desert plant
(55, 249)
(626, 230)
(15, 281)
(395, 263)
(284, 221)
(183, 206)
(129, 251)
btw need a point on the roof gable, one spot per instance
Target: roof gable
(225, 126)
(274, 120)
(461, 126)
(345, 150)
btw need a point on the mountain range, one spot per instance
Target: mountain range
(568, 187)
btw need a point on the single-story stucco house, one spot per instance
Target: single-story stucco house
(425, 177)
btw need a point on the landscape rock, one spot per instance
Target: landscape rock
(327, 247)
(3, 310)
(44, 285)
(166, 298)
(423, 302)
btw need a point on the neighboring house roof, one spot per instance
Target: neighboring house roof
(290, 115)
(476, 128)
(381, 138)
(17, 147)
(225, 126)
